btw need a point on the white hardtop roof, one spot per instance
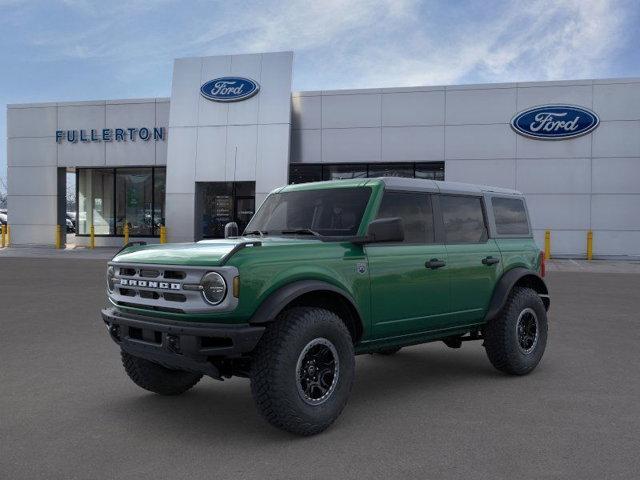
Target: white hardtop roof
(444, 187)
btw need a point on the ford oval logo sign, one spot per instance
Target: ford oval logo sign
(555, 122)
(229, 89)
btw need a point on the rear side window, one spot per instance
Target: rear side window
(510, 215)
(415, 211)
(463, 219)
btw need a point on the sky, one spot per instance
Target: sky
(88, 50)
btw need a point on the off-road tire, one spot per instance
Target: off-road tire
(274, 374)
(501, 339)
(156, 378)
(389, 351)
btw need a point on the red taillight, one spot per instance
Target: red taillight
(543, 268)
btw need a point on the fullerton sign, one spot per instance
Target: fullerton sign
(555, 122)
(111, 135)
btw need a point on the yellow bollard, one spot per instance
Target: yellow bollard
(126, 233)
(547, 244)
(58, 236)
(163, 234)
(92, 237)
(8, 235)
(3, 231)
(589, 245)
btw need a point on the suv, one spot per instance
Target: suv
(326, 271)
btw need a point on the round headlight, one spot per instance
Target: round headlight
(111, 273)
(214, 288)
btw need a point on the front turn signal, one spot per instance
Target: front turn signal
(236, 287)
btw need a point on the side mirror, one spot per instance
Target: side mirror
(231, 230)
(385, 230)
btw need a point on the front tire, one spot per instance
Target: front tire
(156, 378)
(516, 339)
(303, 369)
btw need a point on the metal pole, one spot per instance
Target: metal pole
(92, 237)
(589, 245)
(547, 244)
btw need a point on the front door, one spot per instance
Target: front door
(474, 259)
(221, 202)
(409, 280)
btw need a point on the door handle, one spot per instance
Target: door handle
(434, 263)
(490, 260)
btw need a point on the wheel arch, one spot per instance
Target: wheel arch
(516, 277)
(313, 293)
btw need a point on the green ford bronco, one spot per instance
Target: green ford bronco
(325, 271)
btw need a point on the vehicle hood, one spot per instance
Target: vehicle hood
(203, 253)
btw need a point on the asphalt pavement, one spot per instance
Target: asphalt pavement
(68, 411)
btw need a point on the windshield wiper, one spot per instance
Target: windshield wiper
(301, 231)
(255, 232)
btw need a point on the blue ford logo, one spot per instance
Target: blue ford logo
(229, 89)
(555, 122)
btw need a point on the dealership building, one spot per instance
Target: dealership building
(233, 130)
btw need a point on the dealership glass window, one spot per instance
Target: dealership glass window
(302, 173)
(463, 219)
(110, 197)
(95, 201)
(510, 215)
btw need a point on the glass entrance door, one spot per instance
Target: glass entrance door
(221, 202)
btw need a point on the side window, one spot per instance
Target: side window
(415, 211)
(510, 215)
(463, 219)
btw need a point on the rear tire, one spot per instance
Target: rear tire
(515, 340)
(303, 369)
(156, 378)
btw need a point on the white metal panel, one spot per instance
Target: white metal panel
(36, 152)
(32, 122)
(162, 120)
(32, 180)
(32, 210)
(559, 212)
(494, 105)
(479, 142)
(182, 155)
(351, 145)
(306, 112)
(558, 175)
(124, 115)
(81, 154)
(579, 147)
(616, 175)
(412, 143)
(617, 102)
(211, 154)
(412, 108)
(179, 210)
(241, 153)
(82, 117)
(615, 212)
(185, 92)
(275, 88)
(209, 112)
(498, 173)
(566, 94)
(306, 146)
(246, 111)
(617, 139)
(572, 243)
(33, 234)
(273, 153)
(608, 242)
(346, 111)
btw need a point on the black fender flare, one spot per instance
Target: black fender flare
(506, 283)
(277, 300)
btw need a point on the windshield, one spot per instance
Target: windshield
(326, 212)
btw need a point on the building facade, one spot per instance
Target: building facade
(233, 130)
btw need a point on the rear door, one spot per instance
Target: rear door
(474, 262)
(409, 280)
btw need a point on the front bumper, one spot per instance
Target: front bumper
(180, 345)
